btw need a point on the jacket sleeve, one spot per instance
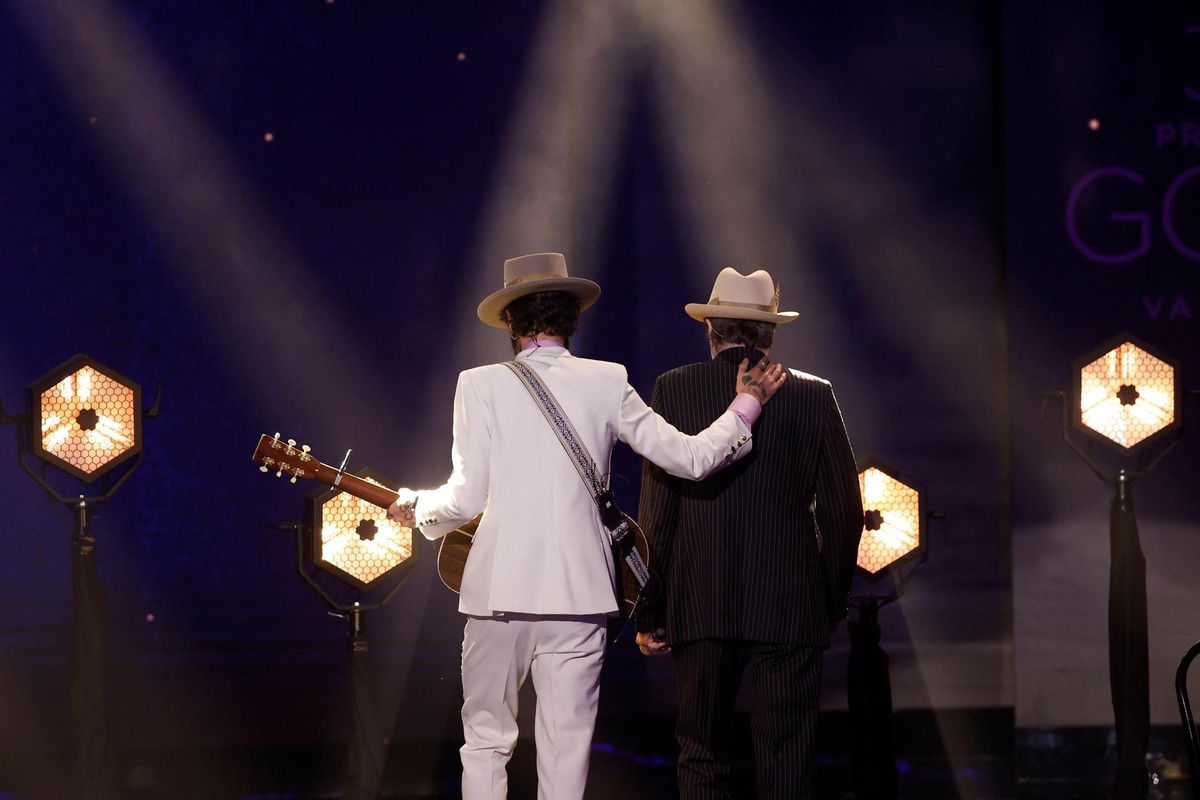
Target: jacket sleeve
(695, 457)
(658, 515)
(839, 512)
(464, 494)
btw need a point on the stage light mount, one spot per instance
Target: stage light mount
(1128, 397)
(894, 542)
(85, 420)
(352, 540)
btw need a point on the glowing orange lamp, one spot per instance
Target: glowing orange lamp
(86, 418)
(1125, 394)
(893, 520)
(354, 540)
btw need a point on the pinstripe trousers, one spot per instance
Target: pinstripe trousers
(783, 720)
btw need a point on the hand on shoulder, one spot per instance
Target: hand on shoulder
(762, 381)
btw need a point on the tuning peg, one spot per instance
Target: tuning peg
(279, 473)
(291, 442)
(293, 480)
(305, 448)
(263, 469)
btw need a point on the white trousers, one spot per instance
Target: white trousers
(565, 655)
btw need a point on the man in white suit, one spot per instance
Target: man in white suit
(540, 579)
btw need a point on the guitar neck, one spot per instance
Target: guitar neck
(365, 490)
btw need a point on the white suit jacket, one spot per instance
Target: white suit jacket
(540, 548)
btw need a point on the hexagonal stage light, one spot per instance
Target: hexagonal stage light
(86, 418)
(355, 541)
(893, 520)
(1125, 394)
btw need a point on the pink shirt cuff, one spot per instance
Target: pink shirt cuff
(747, 407)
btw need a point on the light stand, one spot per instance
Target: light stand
(334, 516)
(86, 420)
(1128, 397)
(893, 539)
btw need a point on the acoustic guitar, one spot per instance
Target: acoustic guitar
(285, 458)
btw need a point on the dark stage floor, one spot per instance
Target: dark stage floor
(961, 754)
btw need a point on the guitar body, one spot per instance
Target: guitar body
(453, 552)
(456, 546)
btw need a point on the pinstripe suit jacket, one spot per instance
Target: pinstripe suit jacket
(765, 549)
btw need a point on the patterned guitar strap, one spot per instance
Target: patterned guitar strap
(620, 534)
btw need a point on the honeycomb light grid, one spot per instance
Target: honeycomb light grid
(1127, 395)
(899, 508)
(341, 545)
(88, 419)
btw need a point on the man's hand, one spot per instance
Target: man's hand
(651, 645)
(763, 381)
(404, 508)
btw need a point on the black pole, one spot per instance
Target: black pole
(367, 750)
(869, 690)
(1128, 646)
(95, 762)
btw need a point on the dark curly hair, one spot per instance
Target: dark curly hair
(748, 332)
(551, 313)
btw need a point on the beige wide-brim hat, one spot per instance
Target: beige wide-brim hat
(737, 296)
(539, 272)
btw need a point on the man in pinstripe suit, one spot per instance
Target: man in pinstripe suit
(755, 561)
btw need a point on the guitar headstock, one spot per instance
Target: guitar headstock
(285, 458)
(274, 453)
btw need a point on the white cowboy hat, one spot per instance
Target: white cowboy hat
(737, 296)
(539, 272)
